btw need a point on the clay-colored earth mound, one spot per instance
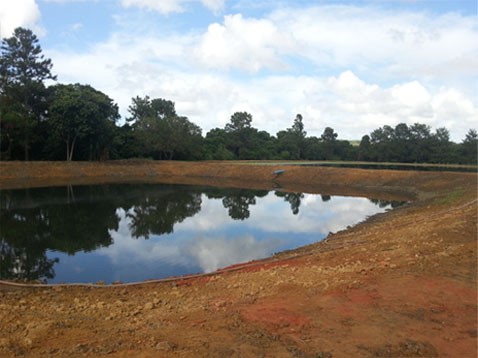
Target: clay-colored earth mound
(401, 284)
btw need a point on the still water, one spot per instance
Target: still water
(137, 232)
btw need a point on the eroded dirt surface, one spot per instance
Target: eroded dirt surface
(402, 284)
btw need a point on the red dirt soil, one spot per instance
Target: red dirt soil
(401, 284)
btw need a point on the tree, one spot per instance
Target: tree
(329, 141)
(380, 140)
(181, 138)
(161, 132)
(125, 144)
(23, 70)
(79, 114)
(469, 147)
(400, 143)
(441, 149)
(296, 138)
(239, 121)
(288, 145)
(329, 135)
(313, 149)
(215, 145)
(239, 135)
(146, 108)
(298, 126)
(420, 140)
(364, 149)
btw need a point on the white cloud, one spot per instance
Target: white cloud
(354, 69)
(215, 6)
(19, 13)
(70, 1)
(241, 43)
(369, 106)
(403, 43)
(454, 111)
(76, 26)
(171, 6)
(162, 6)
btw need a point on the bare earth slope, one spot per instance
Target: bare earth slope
(402, 284)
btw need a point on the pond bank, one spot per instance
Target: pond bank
(400, 284)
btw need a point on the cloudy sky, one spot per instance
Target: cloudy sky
(351, 65)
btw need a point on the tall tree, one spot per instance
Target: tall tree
(469, 147)
(364, 149)
(215, 145)
(146, 108)
(292, 141)
(239, 121)
(400, 143)
(329, 143)
(23, 69)
(420, 138)
(81, 115)
(239, 134)
(161, 132)
(380, 140)
(298, 126)
(329, 135)
(441, 148)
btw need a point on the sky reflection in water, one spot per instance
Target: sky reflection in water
(167, 230)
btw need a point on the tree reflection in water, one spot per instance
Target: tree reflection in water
(158, 211)
(79, 218)
(33, 221)
(294, 200)
(387, 203)
(36, 223)
(236, 201)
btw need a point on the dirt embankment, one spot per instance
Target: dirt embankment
(402, 284)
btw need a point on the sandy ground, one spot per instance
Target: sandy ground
(402, 284)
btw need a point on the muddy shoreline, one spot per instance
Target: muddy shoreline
(402, 283)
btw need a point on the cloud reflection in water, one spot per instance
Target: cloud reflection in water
(211, 239)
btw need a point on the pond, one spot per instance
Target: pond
(135, 232)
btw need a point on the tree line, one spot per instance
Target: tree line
(78, 122)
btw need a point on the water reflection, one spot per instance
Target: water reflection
(88, 233)
(157, 212)
(293, 199)
(237, 201)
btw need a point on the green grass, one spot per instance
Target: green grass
(451, 197)
(357, 163)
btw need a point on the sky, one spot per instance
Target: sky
(350, 65)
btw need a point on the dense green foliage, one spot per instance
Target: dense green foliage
(80, 117)
(78, 122)
(23, 70)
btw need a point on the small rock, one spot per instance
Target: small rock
(220, 303)
(149, 306)
(165, 346)
(111, 317)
